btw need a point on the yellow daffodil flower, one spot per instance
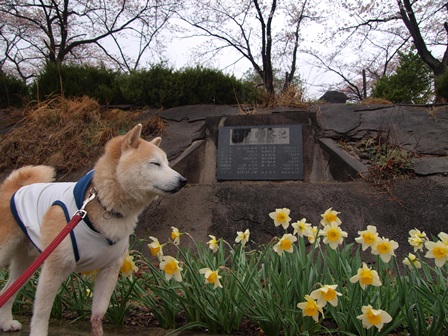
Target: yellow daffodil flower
(281, 217)
(128, 267)
(438, 251)
(417, 239)
(301, 228)
(327, 293)
(333, 235)
(213, 244)
(368, 238)
(285, 244)
(411, 261)
(366, 277)
(385, 248)
(156, 248)
(171, 268)
(211, 277)
(374, 317)
(330, 216)
(242, 237)
(175, 235)
(310, 308)
(91, 274)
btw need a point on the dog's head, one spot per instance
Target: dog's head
(140, 167)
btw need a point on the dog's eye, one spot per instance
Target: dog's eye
(155, 163)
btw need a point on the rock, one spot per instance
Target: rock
(334, 97)
(430, 165)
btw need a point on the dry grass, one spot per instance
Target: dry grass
(372, 101)
(68, 134)
(292, 97)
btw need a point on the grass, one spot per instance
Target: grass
(68, 134)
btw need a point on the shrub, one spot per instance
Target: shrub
(155, 87)
(12, 90)
(98, 83)
(442, 85)
(410, 83)
(161, 86)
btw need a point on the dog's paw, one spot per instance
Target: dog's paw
(11, 325)
(97, 326)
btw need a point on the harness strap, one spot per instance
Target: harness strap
(23, 278)
(39, 260)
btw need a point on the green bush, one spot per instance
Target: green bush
(411, 82)
(442, 85)
(96, 82)
(12, 90)
(155, 87)
(159, 86)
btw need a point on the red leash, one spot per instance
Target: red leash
(79, 215)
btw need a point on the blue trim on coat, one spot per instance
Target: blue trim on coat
(72, 234)
(79, 193)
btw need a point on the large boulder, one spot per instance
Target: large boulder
(334, 97)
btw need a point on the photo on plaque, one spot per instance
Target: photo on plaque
(260, 153)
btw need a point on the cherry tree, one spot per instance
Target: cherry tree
(266, 33)
(82, 31)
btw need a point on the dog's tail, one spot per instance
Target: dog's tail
(25, 176)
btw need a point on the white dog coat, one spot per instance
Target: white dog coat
(30, 203)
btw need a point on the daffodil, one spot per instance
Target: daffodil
(314, 230)
(91, 274)
(285, 244)
(327, 293)
(366, 277)
(368, 238)
(417, 239)
(213, 244)
(211, 277)
(156, 248)
(333, 235)
(281, 217)
(128, 267)
(330, 216)
(411, 261)
(242, 237)
(385, 248)
(175, 235)
(443, 237)
(437, 250)
(301, 228)
(171, 268)
(374, 317)
(310, 308)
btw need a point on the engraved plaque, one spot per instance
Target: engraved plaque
(260, 153)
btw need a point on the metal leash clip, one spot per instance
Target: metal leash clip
(82, 212)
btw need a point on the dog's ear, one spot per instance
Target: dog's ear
(132, 138)
(156, 141)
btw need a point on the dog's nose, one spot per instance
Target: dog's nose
(182, 181)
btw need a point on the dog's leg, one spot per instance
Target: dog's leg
(19, 264)
(50, 279)
(105, 283)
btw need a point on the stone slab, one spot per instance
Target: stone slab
(269, 152)
(430, 165)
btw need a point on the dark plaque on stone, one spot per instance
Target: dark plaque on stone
(273, 152)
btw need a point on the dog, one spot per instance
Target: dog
(127, 177)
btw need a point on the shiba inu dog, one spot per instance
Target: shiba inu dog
(131, 173)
